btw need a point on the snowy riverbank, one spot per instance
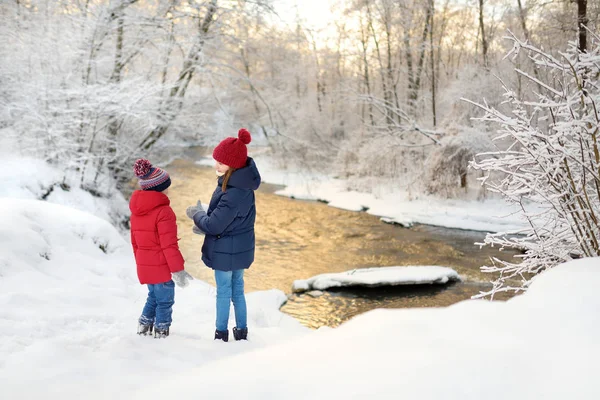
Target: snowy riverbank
(392, 205)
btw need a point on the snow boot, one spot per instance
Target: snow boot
(240, 334)
(222, 335)
(161, 333)
(145, 330)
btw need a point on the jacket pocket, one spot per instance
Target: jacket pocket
(223, 244)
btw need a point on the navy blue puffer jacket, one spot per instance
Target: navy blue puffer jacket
(229, 221)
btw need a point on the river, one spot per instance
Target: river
(298, 239)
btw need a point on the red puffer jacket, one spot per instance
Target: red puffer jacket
(154, 237)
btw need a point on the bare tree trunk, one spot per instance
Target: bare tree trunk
(523, 18)
(102, 26)
(463, 179)
(386, 94)
(165, 71)
(582, 21)
(320, 84)
(414, 93)
(432, 55)
(440, 37)
(390, 70)
(408, 52)
(255, 93)
(364, 40)
(335, 105)
(115, 78)
(298, 50)
(409, 63)
(247, 72)
(484, 44)
(173, 104)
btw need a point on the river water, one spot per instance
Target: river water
(299, 239)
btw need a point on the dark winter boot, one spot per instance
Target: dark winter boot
(145, 330)
(222, 335)
(240, 334)
(161, 333)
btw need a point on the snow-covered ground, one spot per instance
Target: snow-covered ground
(541, 345)
(383, 276)
(69, 303)
(391, 204)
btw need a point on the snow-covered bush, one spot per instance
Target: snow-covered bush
(550, 165)
(447, 168)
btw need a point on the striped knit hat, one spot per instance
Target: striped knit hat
(151, 178)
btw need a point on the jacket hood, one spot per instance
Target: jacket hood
(244, 178)
(144, 201)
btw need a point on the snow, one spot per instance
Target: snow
(540, 345)
(382, 276)
(31, 178)
(69, 303)
(393, 205)
(26, 178)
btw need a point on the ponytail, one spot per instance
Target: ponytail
(226, 177)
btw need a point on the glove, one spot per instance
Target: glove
(192, 210)
(197, 230)
(181, 278)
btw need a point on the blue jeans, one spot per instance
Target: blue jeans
(159, 305)
(230, 287)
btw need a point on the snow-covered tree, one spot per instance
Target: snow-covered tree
(92, 85)
(548, 160)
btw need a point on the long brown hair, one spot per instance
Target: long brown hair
(226, 178)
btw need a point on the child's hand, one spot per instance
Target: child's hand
(192, 210)
(197, 230)
(181, 278)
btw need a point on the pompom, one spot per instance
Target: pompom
(141, 167)
(244, 136)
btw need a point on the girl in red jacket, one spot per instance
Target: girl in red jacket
(154, 241)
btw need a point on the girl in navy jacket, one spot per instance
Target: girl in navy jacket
(228, 225)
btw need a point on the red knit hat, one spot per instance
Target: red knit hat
(233, 152)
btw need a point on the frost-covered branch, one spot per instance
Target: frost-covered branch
(392, 124)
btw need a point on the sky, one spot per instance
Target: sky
(316, 16)
(316, 13)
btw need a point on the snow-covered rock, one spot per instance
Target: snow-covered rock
(382, 276)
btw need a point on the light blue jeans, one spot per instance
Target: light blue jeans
(230, 287)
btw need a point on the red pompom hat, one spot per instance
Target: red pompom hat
(233, 152)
